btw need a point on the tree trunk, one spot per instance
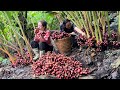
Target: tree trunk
(23, 20)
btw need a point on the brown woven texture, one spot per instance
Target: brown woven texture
(64, 45)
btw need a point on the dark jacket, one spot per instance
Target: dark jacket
(64, 29)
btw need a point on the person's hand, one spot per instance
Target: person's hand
(83, 34)
(36, 30)
(41, 36)
(73, 33)
(79, 31)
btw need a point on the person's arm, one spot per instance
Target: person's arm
(73, 33)
(46, 37)
(61, 28)
(36, 37)
(79, 31)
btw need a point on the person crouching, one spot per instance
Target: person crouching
(42, 41)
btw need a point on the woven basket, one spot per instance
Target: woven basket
(64, 45)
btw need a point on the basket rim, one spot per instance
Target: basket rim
(63, 38)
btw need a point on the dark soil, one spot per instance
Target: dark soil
(8, 72)
(99, 63)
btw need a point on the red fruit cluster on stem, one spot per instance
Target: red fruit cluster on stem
(114, 35)
(108, 41)
(83, 41)
(59, 35)
(58, 65)
(22, 60)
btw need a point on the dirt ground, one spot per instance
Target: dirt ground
(99, 63)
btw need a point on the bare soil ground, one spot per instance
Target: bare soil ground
(99, 63)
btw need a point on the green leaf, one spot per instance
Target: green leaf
(5, 61)
(1, 26)
(1, 58)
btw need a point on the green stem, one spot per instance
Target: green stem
(24, 37)
(89, 22)
(96, 32)
(98, 28)
(71, 17)
(9, 43)
(16, 36)
(118, 25)
(83, 22)
(11, 47)
(108, 22)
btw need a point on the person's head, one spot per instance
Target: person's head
(67, 23)
(42, 25)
